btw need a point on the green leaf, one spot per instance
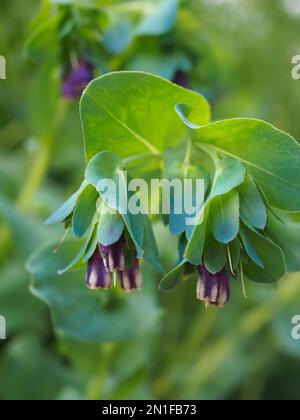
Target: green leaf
(91, 246)
(23, 311)
(43, 38)
(27, 232)
(118, 36)
(26, 357)
(171, 280)
(87, 315)
(229, 173)
(104, 165)
(156, 62)
(84, 211)
(108, 166)
(249, 247)
(214, 257)
(195, 246)
(110, 228)
(271, 156)
(151, 255)
(287, 235)
(225, 217)
(271, 256)
(184, 162)
(78, 260)
(122, 112)
(235, 253)
(66, 209)
(252, 205)
(161, 20)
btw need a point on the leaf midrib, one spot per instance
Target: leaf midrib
(256, 167)
(137, 136)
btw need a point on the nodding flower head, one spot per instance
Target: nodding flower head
(97, 277)
(109, 261)
(213, 289)
(131, 277)
(76, 80)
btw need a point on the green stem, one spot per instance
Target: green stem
(42, 160)
(96, 387)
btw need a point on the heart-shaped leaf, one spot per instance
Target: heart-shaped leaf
(122, 112)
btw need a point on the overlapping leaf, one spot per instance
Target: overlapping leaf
(132, 112)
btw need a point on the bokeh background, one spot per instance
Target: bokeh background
(65, 342)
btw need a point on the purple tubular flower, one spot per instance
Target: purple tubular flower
(111, 259)
(114, 256)
(76, 80)
(181, 79)
(97, 276)
(131, 278)
(213, 289)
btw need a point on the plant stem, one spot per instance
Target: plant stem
(96, 387)
(41, 163)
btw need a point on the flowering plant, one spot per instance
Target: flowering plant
(248, 225)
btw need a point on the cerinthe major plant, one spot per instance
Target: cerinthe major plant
(144, 124)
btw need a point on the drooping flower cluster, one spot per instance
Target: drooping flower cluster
(110, 261)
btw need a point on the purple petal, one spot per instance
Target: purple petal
(213, 289)
(114, 256)
(131, 278)
(97, 276)
(76, 80)
(181, 79)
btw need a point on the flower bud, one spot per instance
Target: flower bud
(76, 80)
(213, 289)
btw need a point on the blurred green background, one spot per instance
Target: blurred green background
(65, 342)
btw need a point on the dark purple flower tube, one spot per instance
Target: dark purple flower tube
(181, 79)
(97, 276)
(114, 255)
(76, 80)
(213, 289)
(131, 278)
